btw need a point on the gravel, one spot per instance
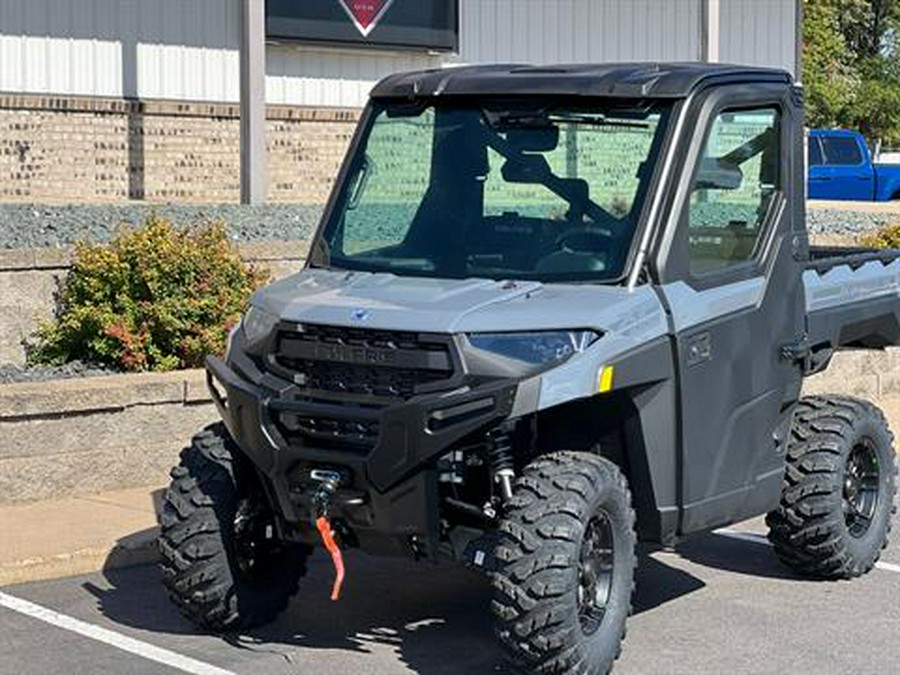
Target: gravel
(10, 374)
(834, 221)
(39, 225)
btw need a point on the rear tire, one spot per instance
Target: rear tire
(838, 497)
(566, 562)
(221, 563)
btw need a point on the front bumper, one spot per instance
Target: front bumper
(391, 488)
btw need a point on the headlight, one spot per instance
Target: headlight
(258, 324)
(537, 348)
(230, 340)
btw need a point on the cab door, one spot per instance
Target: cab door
(735, 299)
(849, 174)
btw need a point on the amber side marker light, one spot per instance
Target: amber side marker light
(605, 379)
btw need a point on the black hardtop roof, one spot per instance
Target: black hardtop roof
(619, 80)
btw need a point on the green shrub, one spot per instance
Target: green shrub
(154, 298)
(886, 236)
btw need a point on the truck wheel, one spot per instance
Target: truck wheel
(839, 486)
(221, 563)
(566, 560)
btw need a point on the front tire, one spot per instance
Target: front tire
(838, 497)
(221, 563)
(566, 562)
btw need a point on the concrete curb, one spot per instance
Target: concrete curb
(136, 549)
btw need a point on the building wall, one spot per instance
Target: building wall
(78, 149)
(560, 31)
(759, 32)
(104, 100)
(187, 50)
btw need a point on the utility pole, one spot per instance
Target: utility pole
(798, 37)
(253, 101)
(709, 31)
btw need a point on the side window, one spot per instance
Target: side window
(842, 150)
(815, 152)
(733, 188)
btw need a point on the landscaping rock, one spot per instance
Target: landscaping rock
(41, 225)
(10, 373)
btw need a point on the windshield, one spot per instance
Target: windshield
(503, 192)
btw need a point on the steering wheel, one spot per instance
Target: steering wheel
(585, 239)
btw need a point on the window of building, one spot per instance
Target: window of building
(733, 189)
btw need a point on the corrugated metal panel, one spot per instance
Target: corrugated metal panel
(759, 32)
(176, 49)
(561, 31)
(188, 49)
(325, 77)
(533, 31)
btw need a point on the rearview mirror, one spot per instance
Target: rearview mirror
(718, 174)
(526, 169)
(533, 138)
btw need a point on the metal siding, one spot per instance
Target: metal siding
(312, 76)
(560, 31)
(187, 49)
(175, 49)
(758, 32)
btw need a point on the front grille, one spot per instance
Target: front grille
(371, 363)
(330, 433)
(360, 370)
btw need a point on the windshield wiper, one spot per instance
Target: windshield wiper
(543, 119)
(595, 121)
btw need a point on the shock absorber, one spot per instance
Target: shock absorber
(500, 456)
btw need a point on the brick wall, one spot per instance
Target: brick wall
(71, 149)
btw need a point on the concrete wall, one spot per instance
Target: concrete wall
(72, 437)
(80, 436)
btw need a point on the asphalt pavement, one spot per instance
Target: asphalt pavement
(717, 604)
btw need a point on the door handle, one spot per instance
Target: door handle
(699, 349)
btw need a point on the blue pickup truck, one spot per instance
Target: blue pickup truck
(841, 167)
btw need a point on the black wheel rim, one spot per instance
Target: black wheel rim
(861, 482)
(254, 540)
(595, 572)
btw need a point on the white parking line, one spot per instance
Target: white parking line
(888, 567)
(761, 539)
(111, 638)
(743, 536)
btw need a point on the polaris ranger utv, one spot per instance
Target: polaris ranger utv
(548, 311)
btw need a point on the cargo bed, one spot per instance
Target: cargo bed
(852, 297)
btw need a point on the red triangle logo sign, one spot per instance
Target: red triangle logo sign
(366, 14)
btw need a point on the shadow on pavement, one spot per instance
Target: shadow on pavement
(436, 618)
(741, 556)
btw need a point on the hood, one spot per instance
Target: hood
(390, 302)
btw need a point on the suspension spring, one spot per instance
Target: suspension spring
(500, 455)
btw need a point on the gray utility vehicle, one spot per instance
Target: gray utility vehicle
(548, 311)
